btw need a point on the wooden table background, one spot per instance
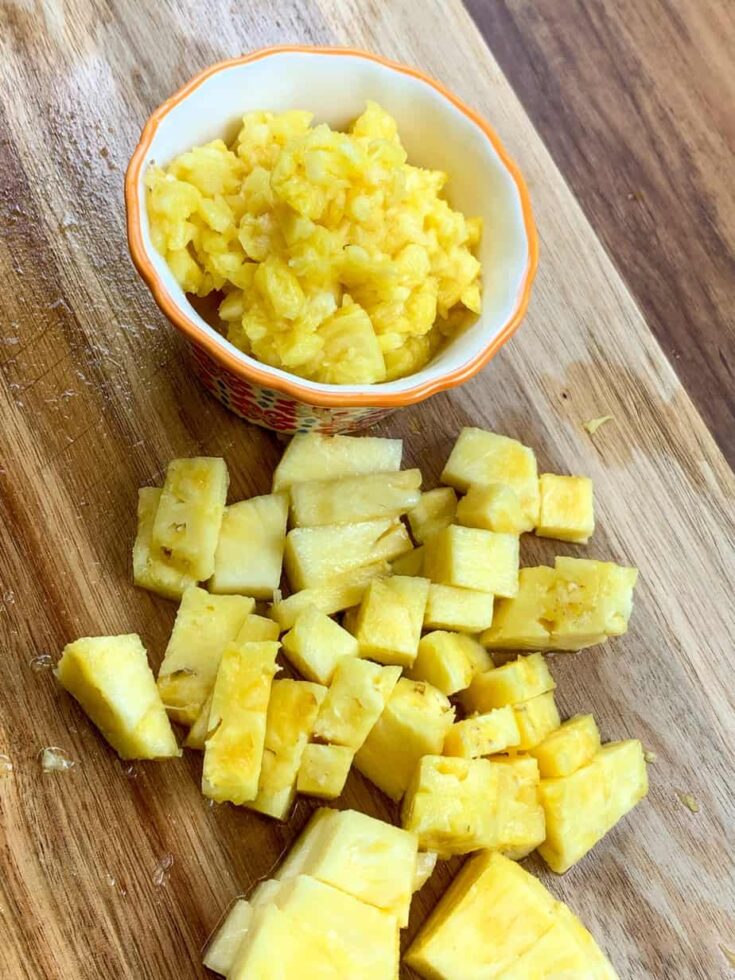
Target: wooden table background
(97, 397)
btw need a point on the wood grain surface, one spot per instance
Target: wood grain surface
(97, 396)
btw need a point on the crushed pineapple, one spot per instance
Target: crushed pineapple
(324, 770)
(566, 510)
(339, 261)
(435, 510)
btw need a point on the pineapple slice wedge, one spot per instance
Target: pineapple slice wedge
(249, 553)
(341, 593)
(492, 506)
(462, 610)
(434, 511)
(354, 701)
(517, 681)
(312, 456)
(536, 718)
(566, 509)
(324, 770)
(222, 948)
(389, 620)
(354, 499)
(471, 558)
(110, 678)
(316, 644)
(568, 748)
(446, 660)
(155, 573)
(482, 735)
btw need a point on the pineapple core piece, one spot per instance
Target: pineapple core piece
(354, 701)
(204, 625)
(567, 509)
(110, 678)
(445, 660)
(568, 748)
(342, 592)
(494, 507)
(410, 563)
(481, 735)
(316, 644)
(518, 680)
(249, 552)
(324, 770)
(506, 924)
(189, 515)
(150, 571)
(463, 610)
(414, 723)
(485, 457)
(312, 456)
(354, 498)
(536, 718)
(471, 558)
(223, 946)
(582, 807)
(233, 751)
(521, 819)
(388, 626)
(435, 510)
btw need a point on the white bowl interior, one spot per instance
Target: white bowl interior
(435, 134)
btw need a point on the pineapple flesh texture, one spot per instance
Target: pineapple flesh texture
(388, 627)
(485, 457)
(497, 920)
(567, 508)
(461, 610)
(410, 563)
(316, 644)
(518, 680)
(521, 623)
(292, 711)
(318, 555)
(204, 625)
(189, 515)
(354, 702)
(324, 770)
(492, 506)
(342, 592)
(582, 807)
(568, 748)
(223, 946)
(471, 558)
(413, 724)
(536, 718)
(154, 572)
(521, 819)
(435, 510)
(425, 864)
(481, 735)
(110, 678)
(249, 553)
(443, 660)
(233, 751)
(354, 499)
(312, 456)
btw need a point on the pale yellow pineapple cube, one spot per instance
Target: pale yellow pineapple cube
(471, 558)
(480, 735)
(354, 702)
(494, 507)
(518, 680)
(536, 718)
(189, 515)
(312, 456)
(316, 644)
(410, 563)
(388, 627)
(354, 499)
(324, 770)
(249, 553)
(110, 678)
(435, 510)
(566, 510)
(255, 628)
(444, 660)
(463, 610)
(425, 864)
(414, 723)
(204, 625)
(342, 592)
(233, 751)
(153, 571)
(591, 600)
(521, 623)
(521, 818)
(222, 948)
(485, 457)
(568, 748)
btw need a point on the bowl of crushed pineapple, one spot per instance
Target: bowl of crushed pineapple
(335, 235)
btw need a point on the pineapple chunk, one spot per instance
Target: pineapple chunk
(223, 946)
(520, 623)
(410, 563)
(568, 748)
(354, 702)
(324, 770)
(341, 593)
(425, 864)
(470, 558)
(414, 723)
(444, 661)
(494, 507)
(582, 807)
(463, 610)
(249, 552)
(485, 457)
(189, 514)
(354, 498)
(479, 657)
(255, 628)
(388, 627)
(309, 841)
(316, 457)
(110, 678)
(536, 719)
(567, 510)
(518, 680)
(292, 711)
(481, 735)
(318, 555)
(233, 751)
(521, 819)
(316, 644)
(155, 573)
(435, 511)
(501, 918)
(204, 625)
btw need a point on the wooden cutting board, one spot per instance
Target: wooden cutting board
(97, 397)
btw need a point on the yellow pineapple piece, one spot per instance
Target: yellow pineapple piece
(354, 702)
(255, 628)
(566, 950)
(463, 610)
(536, 718)
(197, 734)
(521, 819)
(342, 592)
(414, 722)
(582, 807)
(316, 644)
(425, 864)
(480, 658)
(152, 571)
(566, 511)
(480, 735)
(110, 678)
(189, 514)
(591, 600)
(568, 748)
(249, 551)
(354, 499)
(389, 621)
(233, 751)
(204, 625)
(470, 558)
(312, 456)
(444, 660)
(521, 623)
(485, 457)
(324, 770)
(409, 563)
(435, 510)
(224, 944)
(518, 680)
(492, 506)
(351, 353)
